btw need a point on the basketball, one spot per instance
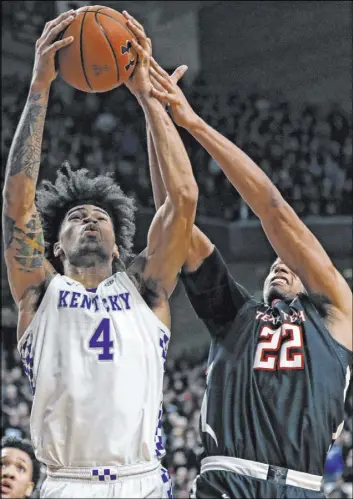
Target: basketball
(101, 56)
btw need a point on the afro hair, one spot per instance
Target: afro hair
(73, 188)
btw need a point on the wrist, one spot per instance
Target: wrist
(37, 86)
(194, 124)
(144, 98)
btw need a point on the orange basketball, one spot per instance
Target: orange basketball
(101, 56)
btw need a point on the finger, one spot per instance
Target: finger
(54, 31)
(159, 69)
(58, 45)
(58, 20)
(155, 83)
(179, 73)
(163, 97)
(129, 17)
(138, 32)
(143, 56)
(162, 80)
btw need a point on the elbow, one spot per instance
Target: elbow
(274, 205)
(186, 198)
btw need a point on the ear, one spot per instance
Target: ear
(57, 250)
(116, 252)
(29, 489)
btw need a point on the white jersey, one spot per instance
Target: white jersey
(95, 360)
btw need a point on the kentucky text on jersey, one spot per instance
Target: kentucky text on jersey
(75, 299)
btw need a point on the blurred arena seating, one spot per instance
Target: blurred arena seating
(306, 152)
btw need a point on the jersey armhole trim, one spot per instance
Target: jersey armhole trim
(161, 324)
(42, 305)
(330, 337)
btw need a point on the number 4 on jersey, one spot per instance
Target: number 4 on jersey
(279, 342)
(101, 339)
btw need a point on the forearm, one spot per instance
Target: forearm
(250, 181)
(174, 163)
(201, 247)
(24, 157)
(159, 192)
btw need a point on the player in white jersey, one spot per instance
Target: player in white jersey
(93, 335)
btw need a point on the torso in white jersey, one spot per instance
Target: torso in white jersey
(95, 360)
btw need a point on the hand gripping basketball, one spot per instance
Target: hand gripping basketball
(44, 71)
(140, 82)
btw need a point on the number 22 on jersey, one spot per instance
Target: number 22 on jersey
(280, 342)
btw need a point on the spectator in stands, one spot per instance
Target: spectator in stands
(20, 471)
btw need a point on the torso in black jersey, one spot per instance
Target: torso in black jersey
(276, 379)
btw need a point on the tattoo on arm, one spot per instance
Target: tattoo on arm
(28, 243)
(9, 227)
(148, 288)
(26, 147)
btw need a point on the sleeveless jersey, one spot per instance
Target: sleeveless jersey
(276, 379)
(95, 361)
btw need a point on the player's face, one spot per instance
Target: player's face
(16, 473)
(281, 283)
(87, 237)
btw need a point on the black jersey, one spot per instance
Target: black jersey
(276, 379)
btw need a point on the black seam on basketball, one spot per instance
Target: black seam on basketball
(81, 52)
(117, 20)
(110, 45)
(122, 24)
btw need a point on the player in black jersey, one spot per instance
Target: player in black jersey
(279, 369)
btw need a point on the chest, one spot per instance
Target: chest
(108, 325)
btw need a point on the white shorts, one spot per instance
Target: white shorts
(135, 481)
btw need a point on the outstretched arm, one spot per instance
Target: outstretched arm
(212, 291)
(23, 236)
(291, 239)
(200, 247)
(170, 231)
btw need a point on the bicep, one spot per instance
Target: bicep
(300, 250)
(24, 253)
(168, 243)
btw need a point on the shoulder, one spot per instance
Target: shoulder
(329, 319)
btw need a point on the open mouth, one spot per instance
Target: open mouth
(279, 280)
(6, 487)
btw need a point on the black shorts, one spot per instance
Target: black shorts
(217, 484)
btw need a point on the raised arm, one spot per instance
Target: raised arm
(212, 291)
(170, 232)
(22, 231)
(291, 239)
(200, 247)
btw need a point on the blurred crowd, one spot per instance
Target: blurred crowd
(307, 152)
(184, 385)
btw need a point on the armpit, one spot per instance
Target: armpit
(34, 295)
(149, 289)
